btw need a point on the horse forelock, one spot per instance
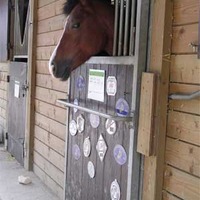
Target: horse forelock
(70, 4)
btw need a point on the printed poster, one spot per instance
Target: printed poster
(96, 84)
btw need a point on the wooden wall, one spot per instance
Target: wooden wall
(3, 97)
(50, 117)
(182, 153)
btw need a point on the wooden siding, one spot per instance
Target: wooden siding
(4, 67)
(182, 161)
(50, 117)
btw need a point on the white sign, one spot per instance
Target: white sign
(111, 86)
(101, 147)
(111, 126)
(96, 84)
(87, 147)
(16, 89)
(75, 103)
(80, 123)
(91, 169)
(73, 127)
(115, 192)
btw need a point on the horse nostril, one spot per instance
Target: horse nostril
(54, 69)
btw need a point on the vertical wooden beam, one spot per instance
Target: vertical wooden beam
(30, 115)
(199, 37)
(147, 101)
(159, 63)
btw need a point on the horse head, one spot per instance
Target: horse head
(88, 30)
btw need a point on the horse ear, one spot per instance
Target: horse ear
(87, 2)
(84, 2)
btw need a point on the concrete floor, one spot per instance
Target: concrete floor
(10, 189)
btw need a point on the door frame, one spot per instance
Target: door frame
(30, 110)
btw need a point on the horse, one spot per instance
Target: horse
(88, 30)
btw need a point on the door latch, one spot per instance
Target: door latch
(25, 86)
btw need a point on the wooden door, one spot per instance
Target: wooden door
(4, 27)
(79, 184)
(21, 28)
(17, 110)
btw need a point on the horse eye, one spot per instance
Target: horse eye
(75, 26)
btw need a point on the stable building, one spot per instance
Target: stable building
(139, 138)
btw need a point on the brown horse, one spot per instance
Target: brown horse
(89, 29)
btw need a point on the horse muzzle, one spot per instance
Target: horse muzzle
(60, 69)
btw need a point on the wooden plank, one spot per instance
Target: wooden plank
(48, 181)
(3, 76)
(4, 66)
(49, 154)
(3, 104)
(44, 53)
(191, 106)
(184, 127)
(186, 12)
(3, 113)
(30, 103)
(2, 122)
(108, 168)
(42, 3)
(51, 126)
(4, 24)
(185, 69)
(47, 81)
(3, 94)
(49, 39)
(198, 49)
(50, 140)
(145, 129)
(51, 10)
(50, 169)
(49, 96)
(181, 184)
(182, 37)
(160, 47)
(53, 112)
(51, 24)
(3, 85)
(168, 196)
(183, 156)
(42, 67)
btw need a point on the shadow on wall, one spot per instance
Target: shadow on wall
(1, 137)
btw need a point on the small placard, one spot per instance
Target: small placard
(111, 126)
(87, 147)
(91, 169)
(80, 123)
(76, 152)
(101, 147)
(120, 154)
(115, 192)
(80, 82)
(75, 103)
(94, 120)
(96, 85)
(122, 107)
(16, 89)
(111, 86)
(73, 127)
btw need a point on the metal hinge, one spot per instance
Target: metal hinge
(8, 79)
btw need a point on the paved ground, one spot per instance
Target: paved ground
(10, 189)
